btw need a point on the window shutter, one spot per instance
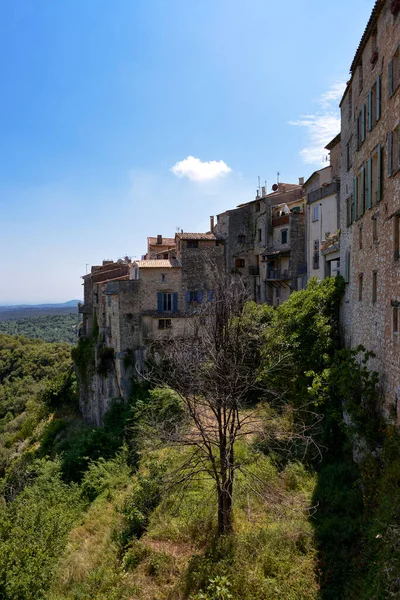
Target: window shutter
(363, 123)
(390, 78)
(199, 296)
(378, 98)
(390, 153)
(175, 302)
(347, 267)
(379, 169)
(159, 302)
(210, 295)
(355, 195)
(369, 110)
(362, 191)
(187, 296)
(369, 183)
(357, 133)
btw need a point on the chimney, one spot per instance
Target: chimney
(159, 240)
(301, 180)
(263, 194)
(212, 224)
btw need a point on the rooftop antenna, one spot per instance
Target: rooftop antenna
(178, 228)
(277, 177)
(259, 183)
(87, 264)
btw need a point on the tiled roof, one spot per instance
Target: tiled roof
(333, 142)
(122, 278)
(165, 241)
(196, 236)
(158, 264)
(367, 32)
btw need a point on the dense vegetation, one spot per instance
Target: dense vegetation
(89, 513)
(50, 328)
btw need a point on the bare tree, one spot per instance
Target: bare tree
(214, 371)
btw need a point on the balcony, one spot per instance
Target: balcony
(254, 270)
(85, 309)
(278, 275)
(331, 244)
(283, 220)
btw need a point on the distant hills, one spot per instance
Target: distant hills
(37, 310)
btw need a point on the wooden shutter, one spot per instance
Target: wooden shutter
(390, 153)
(379, 169)
(210, 295)
(175, 302)
(199, 296)
(369, 110)
(378, 98)
(390, 78)
(357, 133)
(355, 196)
(362, 191)
(369, 183)
(187, 296)
(160, 302)
(363, 110)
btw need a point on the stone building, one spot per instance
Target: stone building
(265, 242)
(128, 304)
(322, 190)
(370, 197)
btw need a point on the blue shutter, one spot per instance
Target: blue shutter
(390, 153)
(390, 78)
(187, 296)
(362, 191)
(175, 302)
(378, 98)
(210, 295)
(199, 296)
(379, 169)
(355, 195)
(369, 183)
(159, 302)
(369, 110)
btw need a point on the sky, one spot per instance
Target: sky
(126, 119)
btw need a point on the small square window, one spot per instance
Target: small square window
(257, 207)
(284, 236)
(239, 263)
(360, 287)
(374, 286)
(259, 235)
(163, 277)
(164, 324)
(241, 238)
(192, 243)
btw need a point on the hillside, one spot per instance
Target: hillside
(109, 513)
(50, 328)
(27, 310)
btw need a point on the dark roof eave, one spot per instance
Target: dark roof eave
(333, 142)
(379, 4)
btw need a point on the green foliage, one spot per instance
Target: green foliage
(158, 414)
(102, 475)
(83, 355)
(217, 589)
(33, 530)
(105, 360)
(49, 328)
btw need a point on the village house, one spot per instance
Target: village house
(370, 198)
(265, 242)
(322, 191)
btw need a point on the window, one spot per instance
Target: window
(239, 263)
(167, 302)
(360, 78)
(164, 323)
(375, 228)
(376, 175)
(163, 277)
(396, 237)
(363, 122)
(315, 212)
(192, 244)
(374, 285)
(284, 233)
(393, 73)
(360, 286)
(359, 193)
(395, 310)
(316, 255)
(360, 239)
(347, 267)
(257, 207)
(350, 210)
(259, 235)
(194, 296)
(349, 154)
(241, 238)
(393, 152)
(374, 48)
(350, 104)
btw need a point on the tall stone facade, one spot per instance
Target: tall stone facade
(370, 198)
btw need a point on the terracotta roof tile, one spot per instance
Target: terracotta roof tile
(158, 264)
(196, 236)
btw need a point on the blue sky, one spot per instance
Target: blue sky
(103, 102)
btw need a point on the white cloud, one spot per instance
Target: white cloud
(199, 171)
(321, 126)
